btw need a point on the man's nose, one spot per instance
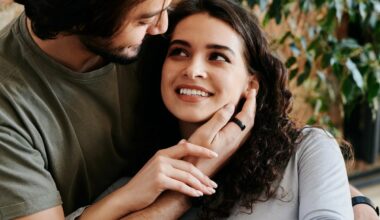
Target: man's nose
(161, 26)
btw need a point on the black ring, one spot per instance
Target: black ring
(238, 123)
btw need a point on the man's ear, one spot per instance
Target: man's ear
(253, 83)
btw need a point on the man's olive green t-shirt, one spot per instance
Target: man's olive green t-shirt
(64, 136)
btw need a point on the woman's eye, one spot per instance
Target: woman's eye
(219, 57)
(177, 52)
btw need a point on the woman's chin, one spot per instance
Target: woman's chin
(193, 118)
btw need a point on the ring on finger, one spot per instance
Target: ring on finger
(238, 123)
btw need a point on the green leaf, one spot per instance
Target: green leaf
(314, 44)
(312, 120)
(303, 76)
(373, 87)
(293, 73)
(326, 60)
(328, 23)
(292, 60)
(285, 36)
(348, 91)
(338, 70)
(357, 76)
(275, 11)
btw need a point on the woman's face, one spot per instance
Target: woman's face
(204, 69)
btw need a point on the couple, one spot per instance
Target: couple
(66, 118)
(213, 54)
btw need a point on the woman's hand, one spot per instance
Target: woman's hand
(222, 136)
(164, 171)
(167, 171)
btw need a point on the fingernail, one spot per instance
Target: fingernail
(230, 108)
(254, 92)
(182, 141)
(213, 154)
(199, 193)
(211, 190)
(213, 184)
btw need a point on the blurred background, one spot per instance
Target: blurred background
(332, 51)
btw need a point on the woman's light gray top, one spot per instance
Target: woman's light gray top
(315, 185)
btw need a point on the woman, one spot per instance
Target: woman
(213, 53)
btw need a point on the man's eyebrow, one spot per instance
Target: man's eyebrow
(220, 47)
(180, 42)
(152, 14)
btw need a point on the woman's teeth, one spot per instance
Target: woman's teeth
(193, 92)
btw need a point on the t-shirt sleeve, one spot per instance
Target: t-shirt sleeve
(323, 183)
(26, 186)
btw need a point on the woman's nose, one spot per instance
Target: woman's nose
(195, 69)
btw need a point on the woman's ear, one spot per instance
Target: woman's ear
(253, 83)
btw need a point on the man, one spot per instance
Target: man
(67, 113)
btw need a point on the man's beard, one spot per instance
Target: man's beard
(109, 54)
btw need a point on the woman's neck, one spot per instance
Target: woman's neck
(188, 128)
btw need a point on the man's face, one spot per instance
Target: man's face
(147, 18)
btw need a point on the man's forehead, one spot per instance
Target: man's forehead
(150, 8)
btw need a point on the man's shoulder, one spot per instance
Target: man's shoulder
(10, 57)
(9, 71)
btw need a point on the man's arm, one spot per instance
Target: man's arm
(362, 211)
(55, 213)
(169, 205)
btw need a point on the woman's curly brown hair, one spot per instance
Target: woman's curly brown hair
(254, 171)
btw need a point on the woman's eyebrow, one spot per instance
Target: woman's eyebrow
(180, 42)
(220, 47)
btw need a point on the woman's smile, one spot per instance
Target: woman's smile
(192, 93)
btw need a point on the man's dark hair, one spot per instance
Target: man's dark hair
(95, 18)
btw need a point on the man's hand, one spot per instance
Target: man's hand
(222, 136)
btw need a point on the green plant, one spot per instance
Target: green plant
(335, 51)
